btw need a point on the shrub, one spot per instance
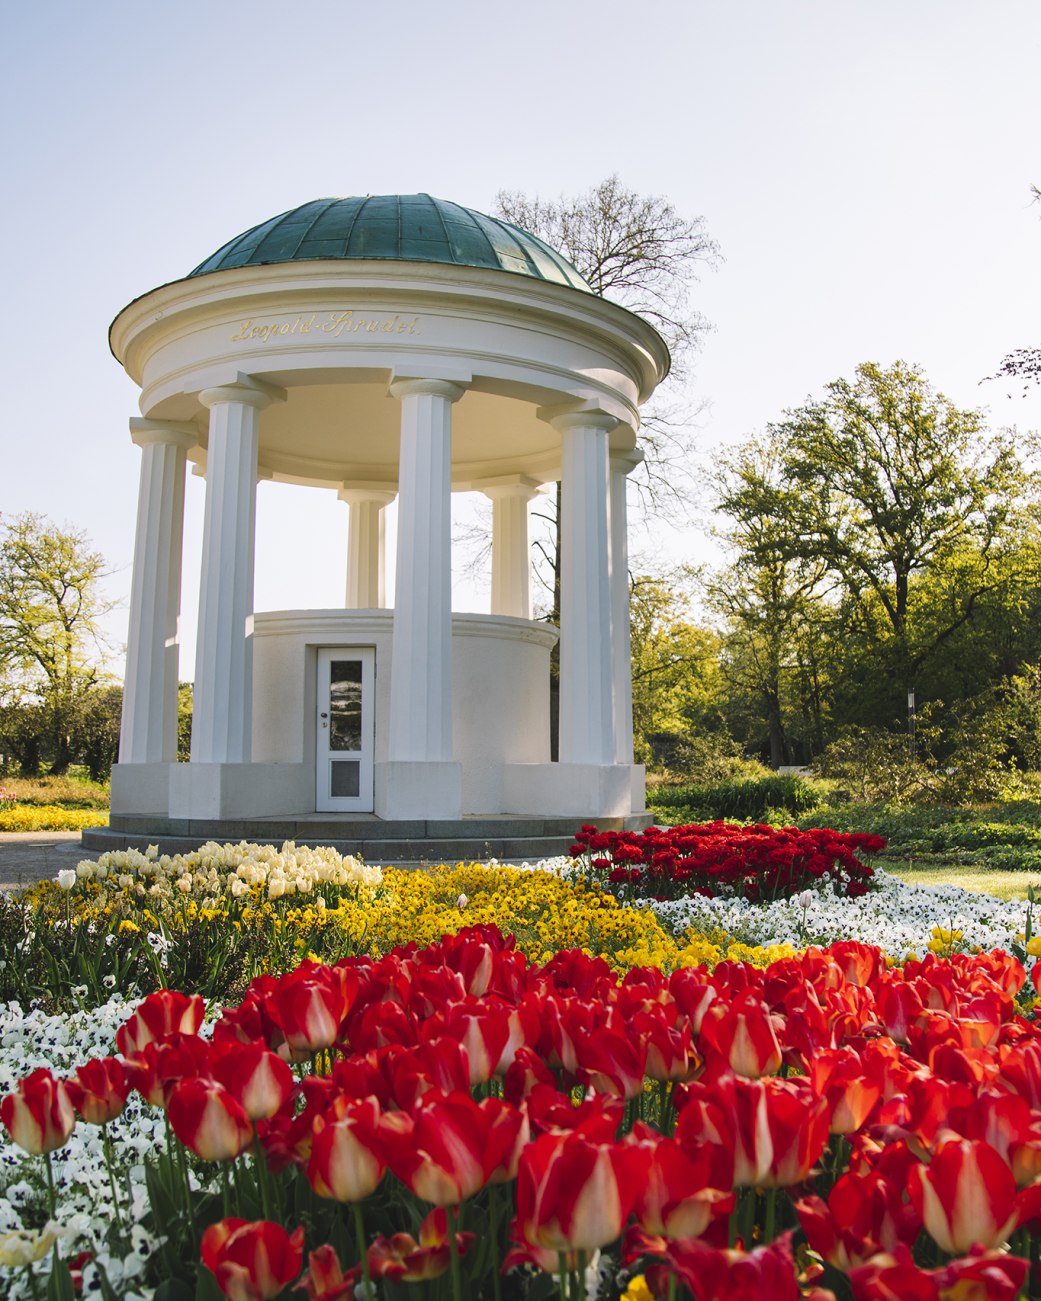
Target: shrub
(746, 800)
(69, 792)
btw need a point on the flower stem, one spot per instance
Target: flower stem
(493, 1234)
(260, 1166)
(770, 1219)
(106, 1143)
(363, 1251)
(51, 1203)
(33, 1282)
(453, 1253)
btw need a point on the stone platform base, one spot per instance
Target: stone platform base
(399, 843)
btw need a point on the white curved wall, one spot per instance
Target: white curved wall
(500, 690)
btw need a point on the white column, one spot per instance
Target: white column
(618, 567)
(511, 562)
(365, 547)
(149, 727)
(421, 659)
(586, 696)
(223, 700)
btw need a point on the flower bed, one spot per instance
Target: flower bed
(212, 920)
(827, 1126)
(722, 859)
(50, 817)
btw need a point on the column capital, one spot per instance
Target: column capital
(450, 390)
(357, 494)
(173, 433)
(578, 415)
(250, 392)
(626, 462)
(505, 486)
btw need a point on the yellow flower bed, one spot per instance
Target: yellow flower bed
(317, 902)
(50, 817)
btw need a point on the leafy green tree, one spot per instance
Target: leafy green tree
(773, 613)
(51, 606)
(95, 735)
(880, 481)
(676, 679)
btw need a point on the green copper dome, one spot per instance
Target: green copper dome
(397, 228)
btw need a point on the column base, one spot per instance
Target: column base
(638, 787)
(140, 787)
(240, 790)
(418, 789)
(581, 790)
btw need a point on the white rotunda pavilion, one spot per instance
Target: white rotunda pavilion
(381, 347)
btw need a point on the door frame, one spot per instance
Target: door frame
(363, 802)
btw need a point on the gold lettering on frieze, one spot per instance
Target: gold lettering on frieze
(335, 325)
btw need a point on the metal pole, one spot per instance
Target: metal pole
(910, 723)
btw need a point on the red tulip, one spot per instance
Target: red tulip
(694, 992)
(527, 1071)
(252, 1261)
(967, 1197)
(509, 1132)
(670, 1048)
(308, 1006)
(255, 1076)
(684, 1191)
(156, 1017)
(481, 1027)
(382, 1025)
(574, 1193)
(899, 1007)
(776, 1129)
(894, 1276)
(99, 1091)
(402, 1259)
(744, 1034)
(851, 1092)
(208, 1120)
(440, 1065)
(286, 1140)
(155, 1067)
(38, 1114)
(865, 1214)
(325, 1279)
(447, 1149)
(611, 1061)
(860, 963)
(718, 1274)
(347, 1161)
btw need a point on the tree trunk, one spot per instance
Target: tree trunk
(778, 743)
(554, 655)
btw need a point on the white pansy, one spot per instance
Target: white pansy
(30, 1039)
(898, 918)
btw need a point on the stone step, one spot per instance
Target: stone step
(315, 827)
(385, 851)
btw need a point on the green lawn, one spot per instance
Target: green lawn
(1003, 884)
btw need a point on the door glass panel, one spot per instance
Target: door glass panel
(346, 777)
(345, 709)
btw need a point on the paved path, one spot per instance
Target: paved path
(28, 856)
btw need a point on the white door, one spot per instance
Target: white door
(345, 730)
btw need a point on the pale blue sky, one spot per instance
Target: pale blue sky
(865, 167)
